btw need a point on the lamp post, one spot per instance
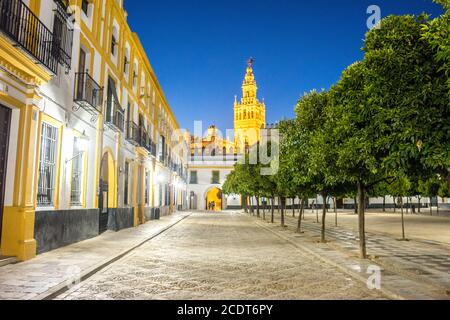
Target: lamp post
(82, 146)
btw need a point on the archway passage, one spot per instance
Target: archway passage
(214, 200)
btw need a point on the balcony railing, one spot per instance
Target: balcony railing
(115, 118)
(153, 147)
(88, 93)
(62, 35)
(132, 135)
(19, 23)
(143, 138)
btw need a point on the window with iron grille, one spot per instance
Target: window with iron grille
(215, 177)
(126, 183)
(194, 178)
(47, 166)
(77, 175)
(147, 178)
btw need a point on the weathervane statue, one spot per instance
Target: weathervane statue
(250, 61)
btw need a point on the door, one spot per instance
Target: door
(103, 206)
(81, 94)
(5, 122)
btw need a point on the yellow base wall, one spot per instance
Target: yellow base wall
(18, 233)
(136, 217)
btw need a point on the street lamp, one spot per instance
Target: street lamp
(82, 146)
(160, 178)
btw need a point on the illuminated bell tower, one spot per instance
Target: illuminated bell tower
(249, 114)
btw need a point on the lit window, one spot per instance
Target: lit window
(77, 175)
(47, 166)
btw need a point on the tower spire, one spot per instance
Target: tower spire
(250, 113)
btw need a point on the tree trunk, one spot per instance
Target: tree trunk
(283, 204)
(264, 209)
(419, 209)
(272, 219)
(431, 206)
(293, 207)
(245, 204)
(362, 220)
(324, 216)
(335, 212)
(395, 205)
(317, 209)
(356, 205)
(258, 214)
(403, 221)
(384, 203)
(300, 217)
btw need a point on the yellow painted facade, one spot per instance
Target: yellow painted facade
(137, 85)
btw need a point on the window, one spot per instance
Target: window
(126, 184)
(126, 64)
(77, 175)
(47, 166)
(113, 45)
(215, 177)
(85, 6)
(194, 178)
(62, 43)
(82, 61)
(147, 191)
(162, 149)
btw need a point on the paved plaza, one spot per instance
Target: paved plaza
(232, 255)
(220, 256)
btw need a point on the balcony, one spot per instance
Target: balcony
(62, 35)
(23, 27)
(132, 134)
(115, 119)
(88, 94)
(153, 147)
(143, 139)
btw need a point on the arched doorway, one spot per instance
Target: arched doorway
(106, 191)
(214, 196)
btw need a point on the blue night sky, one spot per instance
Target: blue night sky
(199, 48)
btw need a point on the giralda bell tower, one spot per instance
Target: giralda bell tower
(249, 114)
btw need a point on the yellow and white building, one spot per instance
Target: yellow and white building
(87, 138)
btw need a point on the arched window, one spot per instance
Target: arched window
(253, 115)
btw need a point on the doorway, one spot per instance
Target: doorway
(214, 200)
(5, 123)
(106, 195)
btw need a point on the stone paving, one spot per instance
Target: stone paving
(420, 260)
(49, 272)
(220, 256)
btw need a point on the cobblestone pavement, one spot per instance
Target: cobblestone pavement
(220, 256)
(424, 261)
(51, 271)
